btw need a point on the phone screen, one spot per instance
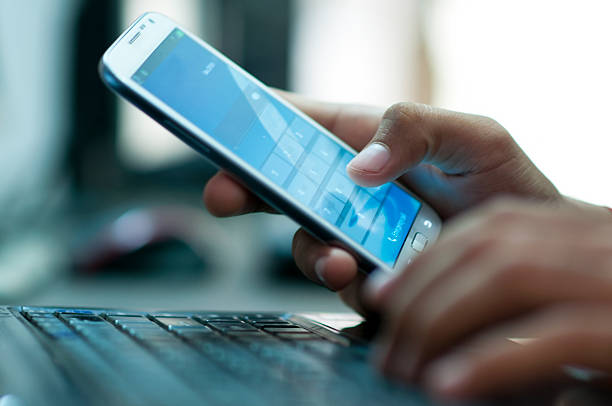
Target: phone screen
(270, 137)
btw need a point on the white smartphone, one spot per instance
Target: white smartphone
(279, 153)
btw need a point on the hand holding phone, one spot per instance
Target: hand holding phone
(281, 154)
(453, 160)
(466, 159)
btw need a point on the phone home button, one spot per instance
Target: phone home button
(419, 242)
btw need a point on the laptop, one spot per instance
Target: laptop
(87, 356)
(84, 356)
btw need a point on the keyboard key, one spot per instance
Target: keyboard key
(141, 328)
(302, 188)
(277, 169)
(217, 317)
(85, 324)
(191, 329)
(297, 336)
(82, 318)
(122, 314)
(188, 329)
(329, 208)
(340, 187)
(171, 322)
(54, 328)
(40, 315)
(273, 122)
(272, 323)
(236, 326)
(289, 149)
(227, 320)
(314, 168)
(286, 329)
(325, 148)
(261, 316)
(121, 320)
(301, 130)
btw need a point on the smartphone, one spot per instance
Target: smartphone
(278, 152)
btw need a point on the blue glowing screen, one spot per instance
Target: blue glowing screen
(276, 141)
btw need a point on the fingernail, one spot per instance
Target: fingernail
(372, 159)
(375, 284)
(320, 269)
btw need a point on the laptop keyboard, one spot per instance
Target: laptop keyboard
(224, 359)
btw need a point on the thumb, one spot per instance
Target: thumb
(411, 134)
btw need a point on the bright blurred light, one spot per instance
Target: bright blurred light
(359, 51)
(543, 70)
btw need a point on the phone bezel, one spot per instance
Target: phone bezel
(120, 62)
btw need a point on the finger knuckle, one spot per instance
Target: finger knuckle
(483, 243)
(396, 111)
(493, 128)
(497, 136)
(408, 113)
(491, 124)
(513, 281)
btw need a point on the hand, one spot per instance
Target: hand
(452, 160)
(510, 269)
